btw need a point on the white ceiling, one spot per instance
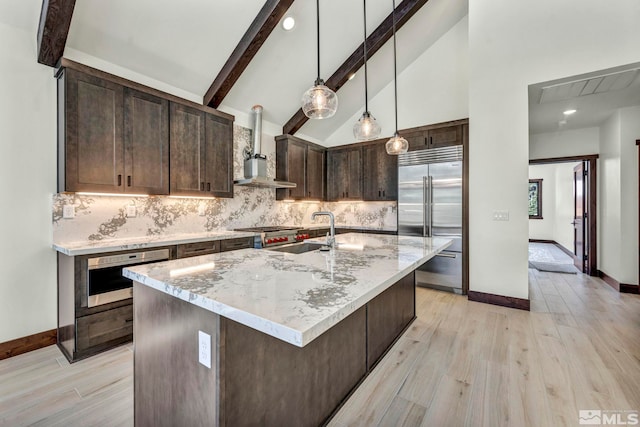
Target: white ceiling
(185, 43)
(595, 96)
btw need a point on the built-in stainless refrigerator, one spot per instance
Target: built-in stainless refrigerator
(430, 204)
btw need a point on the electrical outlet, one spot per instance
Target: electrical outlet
(204, 349)
(68, 211)
(202, 209)
(131, 211)
(501, 215)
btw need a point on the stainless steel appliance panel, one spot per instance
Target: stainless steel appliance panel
(443, 271)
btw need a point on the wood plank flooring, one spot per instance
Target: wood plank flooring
(461, 363)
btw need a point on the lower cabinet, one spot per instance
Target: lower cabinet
(235, 244)
(106, 328)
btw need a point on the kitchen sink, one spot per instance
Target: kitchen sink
(298, 248)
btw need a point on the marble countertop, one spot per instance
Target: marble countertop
(293, 297)
(350, 227)
(123, 244)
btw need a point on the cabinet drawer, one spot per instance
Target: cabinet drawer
(198, 248)
(103, 327)
(234, 244)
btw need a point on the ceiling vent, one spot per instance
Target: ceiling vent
(594, 85)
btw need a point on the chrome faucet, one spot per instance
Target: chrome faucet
(331, 239)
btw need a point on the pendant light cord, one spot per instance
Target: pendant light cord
(366, 94)
(318, 33)
(395, 71)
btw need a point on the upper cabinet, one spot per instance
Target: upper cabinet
(301, 162)
(201, 153)
(113, 139)
(434, 136)
(344, 174)
(116, 136)
(380, 172)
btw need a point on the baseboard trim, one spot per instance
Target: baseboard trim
(542, 241)
(553, 242)
(504, 301)
(25, 344)
(625, 288)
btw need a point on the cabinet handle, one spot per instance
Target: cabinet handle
(289, 193)
(384, 193)
(309, 193)
(208, 186)
(430, 140)
(379, 193)
(347, 194)
(202, 186)
(119, 180)
(128, 180)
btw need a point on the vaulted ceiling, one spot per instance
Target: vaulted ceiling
(185, 45)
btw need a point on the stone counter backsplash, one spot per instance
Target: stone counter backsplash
(105, 217)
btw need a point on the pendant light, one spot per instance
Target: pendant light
(367, 127)
(319, 102)
(397, 144)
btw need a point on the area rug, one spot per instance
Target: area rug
(553, 268)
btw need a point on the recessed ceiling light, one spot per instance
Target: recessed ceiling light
(352, 76)
(288, 23)
(569, 112)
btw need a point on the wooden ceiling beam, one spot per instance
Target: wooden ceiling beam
(404, 11)
(53, 29)
(264, 23)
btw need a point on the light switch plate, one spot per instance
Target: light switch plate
(501, 215)
(131, 211)
(68, 211)
(204, 349)
(202, 209)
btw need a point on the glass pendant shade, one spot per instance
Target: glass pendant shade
(319, 102)
(366, 128)
(397, 145)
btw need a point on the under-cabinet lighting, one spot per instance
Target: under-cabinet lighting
(288, 200)
(352, 76)
(189, 270)
(569, 112)
(83, 193)
(192, 197)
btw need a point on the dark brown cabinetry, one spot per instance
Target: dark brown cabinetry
(112, 139)
(344, 174)
(201, 153)
(186, 250)
(117, 136)
(301, 162)
(380, 173)
(434, 136)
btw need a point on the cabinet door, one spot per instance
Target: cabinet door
(337, 174)
(187, 138)
(315, 173)
(146, 142)
(296, 162)
(380, 173)
(94, 147)
(417, 140)
(219, 156)
(445, 136)
(354, 175)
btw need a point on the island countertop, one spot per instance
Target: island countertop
(292, 297)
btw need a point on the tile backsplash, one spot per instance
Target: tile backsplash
(106, 217)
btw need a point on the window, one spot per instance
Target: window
(535, 199)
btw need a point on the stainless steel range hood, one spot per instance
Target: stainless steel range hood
(255, 163)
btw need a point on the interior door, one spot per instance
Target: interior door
(579, 216)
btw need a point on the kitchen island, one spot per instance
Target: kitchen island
(291, 335)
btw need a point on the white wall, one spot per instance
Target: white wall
(557, 203)
(564, 143)
(618, 196)
(28, 176)
(629, 133)
(513, 44)
(432, 89)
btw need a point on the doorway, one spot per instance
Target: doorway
(584, 221)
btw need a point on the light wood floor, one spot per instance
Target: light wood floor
(461, 363)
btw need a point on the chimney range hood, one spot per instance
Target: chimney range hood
(255, 163)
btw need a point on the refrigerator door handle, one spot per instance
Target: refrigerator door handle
(425, 205)
(430, 206)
